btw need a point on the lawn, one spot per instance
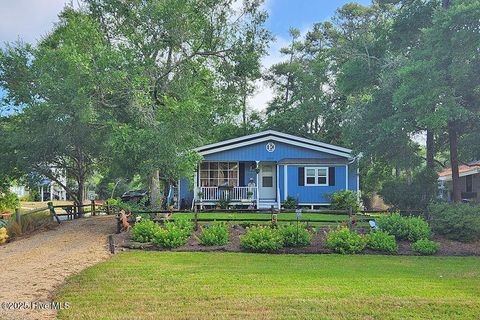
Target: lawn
(252, 217)
(185, 285)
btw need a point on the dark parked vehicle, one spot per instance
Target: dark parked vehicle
(134, 196)
(46, 196)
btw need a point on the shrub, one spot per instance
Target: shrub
(173, 234)
(345, 241)
(381, 241)
(344, 200)
(290, 203)
(404, 228)
(261, 239)
(290, 238)
(8, 200)
(29, 222)
(458, 221)
(425, 247)
(214, 235)
(144, 231)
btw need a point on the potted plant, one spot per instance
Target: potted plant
(249, 194)
(200, 195)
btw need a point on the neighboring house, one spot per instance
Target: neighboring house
(469, 182)
(47, 189)
(264, 169)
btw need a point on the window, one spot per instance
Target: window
(316, 176)
(469, 183)
(214, 174)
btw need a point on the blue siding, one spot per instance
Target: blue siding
(185, 192)
(250, 173)
(257, 152)
(352, 177)
(314, 194)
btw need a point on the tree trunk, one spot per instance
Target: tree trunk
(453, 142)
(430, 150)
(154, 186)
(80, 195)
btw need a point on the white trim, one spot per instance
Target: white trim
(277, 185)
(273, 132)
(178, 194)
(270, 138)
(285, 182)
(346, 177)
(316, 184)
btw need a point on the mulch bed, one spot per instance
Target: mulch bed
(447, 247)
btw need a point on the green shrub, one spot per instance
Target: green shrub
(381, 241)
(404, 228)
(290, 203)
(8, 200)
(345, 241)
(425, 247)
(144, 231)
(261, 239)
(290, 238)
(458, 221)
(214, 235)
(344, 200)
(173, 234)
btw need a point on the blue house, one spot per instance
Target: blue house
(264, 169)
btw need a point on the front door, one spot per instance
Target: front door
(267, 181)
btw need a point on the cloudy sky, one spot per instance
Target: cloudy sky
(30, 19)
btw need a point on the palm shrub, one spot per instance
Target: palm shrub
(290, 237)
(345, 241)
(261, 239)
(405, 228)
(214, 235)
(144, 230)
(381, 241)
(173, 234)
(425, 247)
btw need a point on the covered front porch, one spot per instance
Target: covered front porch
(242, 183)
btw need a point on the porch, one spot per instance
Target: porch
(248, 183)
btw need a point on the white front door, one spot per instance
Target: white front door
(268, 179)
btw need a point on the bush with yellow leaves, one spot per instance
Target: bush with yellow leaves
(3, 235)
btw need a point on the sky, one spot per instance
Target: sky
(29, 20)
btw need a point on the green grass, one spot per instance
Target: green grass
(184, 285)
(283, 216)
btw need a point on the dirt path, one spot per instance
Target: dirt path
(32, 268)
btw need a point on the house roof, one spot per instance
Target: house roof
(271, 135)
(463, 170)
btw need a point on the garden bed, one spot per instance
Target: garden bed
(447, 247)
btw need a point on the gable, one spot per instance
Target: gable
(258, 151)
(252, 144)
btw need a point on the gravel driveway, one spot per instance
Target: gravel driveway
(32, 268)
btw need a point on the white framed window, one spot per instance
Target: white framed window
(218, 173)
(316, 176)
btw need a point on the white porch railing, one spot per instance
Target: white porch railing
(234, 194)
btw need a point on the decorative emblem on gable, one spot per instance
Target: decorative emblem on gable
(270, 147)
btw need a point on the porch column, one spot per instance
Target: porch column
(51, 190)
(41, 193)
(285, 182)
(346, 177)
(258, 182)
(278, 187)
(195, 189)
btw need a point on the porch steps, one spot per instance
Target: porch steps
(267, 204)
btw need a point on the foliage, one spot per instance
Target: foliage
(224, 202)
(381, 241)
(416, 193)
(144, 231)
(8, 200)
(344, 200)
(214, 235)
(404, 228)
(3, 235)
(345, 241)
(29, 222)
(425, 246)
(173, 234)
(290, 203)
(261, 239)
(293, 237)
(455, 221)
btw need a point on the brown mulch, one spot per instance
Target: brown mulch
(447, 247)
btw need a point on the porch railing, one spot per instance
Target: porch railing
(234, 194)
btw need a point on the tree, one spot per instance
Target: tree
(60, 127)
(197, 57)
